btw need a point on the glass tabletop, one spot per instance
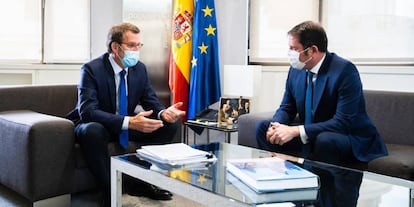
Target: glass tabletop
(215, 178)
(213, 125)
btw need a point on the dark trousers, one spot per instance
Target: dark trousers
(93, 138)
(338, 187)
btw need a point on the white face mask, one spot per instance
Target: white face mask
(294, 59)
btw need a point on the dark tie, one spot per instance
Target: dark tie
(123, 107)
(308, 99)
(308, 109)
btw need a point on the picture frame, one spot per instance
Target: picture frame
(231, 108)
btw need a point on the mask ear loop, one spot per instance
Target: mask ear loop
(117, 55)
(310, 58)
(304, 50)
(119, 45)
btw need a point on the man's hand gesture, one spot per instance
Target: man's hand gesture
(141, 123)
(172, 113)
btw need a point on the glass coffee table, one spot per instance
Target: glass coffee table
(210, 185)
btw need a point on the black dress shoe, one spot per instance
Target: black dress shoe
(151, 191)
(105, 200)
(105, 203)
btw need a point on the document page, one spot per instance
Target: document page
(173, 152)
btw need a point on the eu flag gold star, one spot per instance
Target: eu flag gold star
(203, 48)
(210, 30)
(207, 11)
(201, 179)
(194, 62)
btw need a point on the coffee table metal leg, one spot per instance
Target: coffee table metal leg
(185, 134)
(194, 137)
(228, 137)
(116, 187)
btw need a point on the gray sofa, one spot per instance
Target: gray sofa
(39, 158)
(392, 114)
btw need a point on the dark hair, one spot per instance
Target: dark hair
(310, 33)
(116, 33)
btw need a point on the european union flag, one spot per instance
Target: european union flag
(205, 72)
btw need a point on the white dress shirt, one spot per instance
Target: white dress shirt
(303, 136)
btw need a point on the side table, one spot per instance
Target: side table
(226, 128)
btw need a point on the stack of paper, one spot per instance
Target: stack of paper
(175, 155)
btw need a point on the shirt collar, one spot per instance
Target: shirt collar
(316, 68)
(115, 65)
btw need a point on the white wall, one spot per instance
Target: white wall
(388, 78)
(27, 74)
(232, 25)
(104, 14)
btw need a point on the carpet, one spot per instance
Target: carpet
(177, 201)
(9, 198)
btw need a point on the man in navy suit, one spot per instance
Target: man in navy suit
(339, 130)
(98, 110)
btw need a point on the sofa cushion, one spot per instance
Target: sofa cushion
(247, 127)
(393, 115)
(398, 163)
(36, 153)
(53, 100)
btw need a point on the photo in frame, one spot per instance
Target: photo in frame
(231, 109)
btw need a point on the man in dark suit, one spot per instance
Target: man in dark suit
(99, 109)
(337, 129)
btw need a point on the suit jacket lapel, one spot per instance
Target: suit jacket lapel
(321, 81)
(318, 90)
(110, 82)
(301, 93)
(112, 91)
(132, 88)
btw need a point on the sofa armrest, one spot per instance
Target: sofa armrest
(247, 127)
(36, 153)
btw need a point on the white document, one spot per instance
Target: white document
(175, 154)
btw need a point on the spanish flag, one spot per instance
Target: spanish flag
(180, 58)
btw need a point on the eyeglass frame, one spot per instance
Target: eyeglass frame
(133, 46)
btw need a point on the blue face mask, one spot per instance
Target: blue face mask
(131, 58)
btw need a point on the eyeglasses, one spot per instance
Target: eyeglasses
(133, 45)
